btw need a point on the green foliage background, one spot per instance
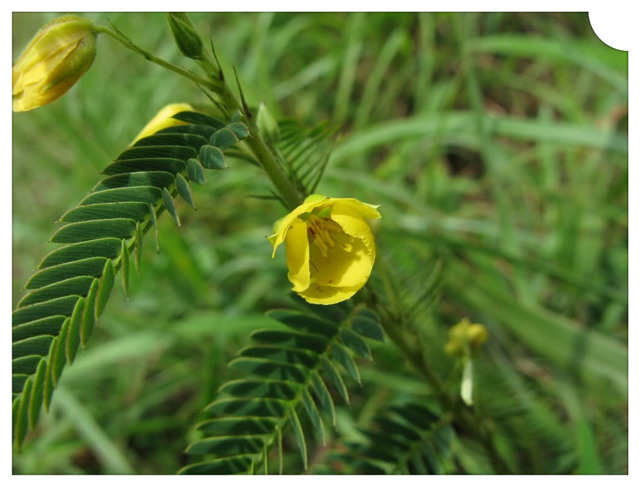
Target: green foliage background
(497, 147)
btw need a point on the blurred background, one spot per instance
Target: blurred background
(496, 144)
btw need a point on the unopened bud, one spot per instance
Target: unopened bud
(185, 35)
(55, 59)
(465, 337)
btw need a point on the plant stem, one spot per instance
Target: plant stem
(150, 57)
(290, 195)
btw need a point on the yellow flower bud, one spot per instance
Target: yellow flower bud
(163, 119)
(464, 337)
(55, 59)
(330, 247)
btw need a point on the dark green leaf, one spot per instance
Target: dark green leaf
(162, 151)
(238, 426)
(35, 402)
(144, 194)
(200, 119)
(367, 328)
(85, 267)
(157, 179)
(270, 369)
(303, 322)
(73, 334)
(88, 315)
(281, 354)
(212, 157)
(223, 139)
(103, 211)
(341, 355)
(195, 172)
(305, 341)
(45, 326)
(226, 446)
(184, 190)
(355, 343)
(76, 286)
(314, 415)
(104, 247)
(248, 407)
(200, 130)
(188, 140)
(39, 345)
(335, 377)
(323, 395)
(106, 285)
(167, 199)
(59, 306)
(239, 129)
(297, 430)
(125, 268)
(81, 232)
(25, 365)
(22, 418)
(123, 166)
(276, 389)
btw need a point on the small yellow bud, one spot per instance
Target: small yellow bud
(163, 119)
(464, 337)
(55, 59)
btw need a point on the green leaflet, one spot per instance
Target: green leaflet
(73, 282)
(404, 439)
(283, 371)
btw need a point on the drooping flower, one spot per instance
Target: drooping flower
(465, 337)
(330, 247)
(163, 120)
(55, 59)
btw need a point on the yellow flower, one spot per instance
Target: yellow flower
(163, 120)
(330, 247)
(55, 59)
(464, 337)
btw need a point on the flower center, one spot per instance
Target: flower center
(326, 234)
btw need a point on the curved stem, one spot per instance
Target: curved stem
(150, 57)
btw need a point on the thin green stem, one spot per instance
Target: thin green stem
(150, 57)
(290, 195)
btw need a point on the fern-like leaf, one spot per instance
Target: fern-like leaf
(71, 286)
(304, 152)
(406, 439)
(285, 377)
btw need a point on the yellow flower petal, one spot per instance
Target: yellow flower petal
(163, 120)
(283, 225)
(340, 268)
(298, 256)
(55, 59)
(330, 247)
(318, 294)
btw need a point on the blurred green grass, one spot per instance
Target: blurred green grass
(496, 145)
